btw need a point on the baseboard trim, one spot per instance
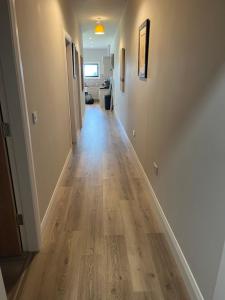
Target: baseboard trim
(52, 200)
(189, 280)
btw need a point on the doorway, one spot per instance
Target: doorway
(79, 116)
(10, 239)
(69, 64)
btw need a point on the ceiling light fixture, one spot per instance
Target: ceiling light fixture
(99, 27)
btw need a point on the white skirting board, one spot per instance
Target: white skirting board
(190, 282)
(51, 203)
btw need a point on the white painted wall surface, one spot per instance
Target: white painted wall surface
(41, 26)
(178, 114)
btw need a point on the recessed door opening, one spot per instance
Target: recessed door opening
(10, 239)
(71, 88)
(11, 252)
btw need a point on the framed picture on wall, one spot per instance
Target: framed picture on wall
(82, 72)
(122, 70)
(112, 60)
(74, 60)
(143, 47)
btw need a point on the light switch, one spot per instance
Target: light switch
(35, 117)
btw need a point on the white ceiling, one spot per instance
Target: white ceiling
(109, 11)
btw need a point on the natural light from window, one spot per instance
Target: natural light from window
(91, 70)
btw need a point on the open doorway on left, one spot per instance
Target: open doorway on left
(70, 76)
(13, 261)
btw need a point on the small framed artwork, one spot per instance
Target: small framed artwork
(74, 60)
(143, 46)
(122, 70)
(112, 60)
(82, 72)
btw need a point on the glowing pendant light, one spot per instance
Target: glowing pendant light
(99, 28)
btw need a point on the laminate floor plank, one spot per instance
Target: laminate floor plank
(143, 271)
(142, 296)
(170, 280)
(117, 273)
(91, 278)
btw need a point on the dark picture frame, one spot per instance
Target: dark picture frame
(112, 60)
(143, 48)
(74, 60)
(122, 70)
(82, 72)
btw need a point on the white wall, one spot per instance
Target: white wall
(18, 143)
(42, 25)
(2, 288)
(95, 56)
(178, 115)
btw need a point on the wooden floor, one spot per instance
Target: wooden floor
(102, 240)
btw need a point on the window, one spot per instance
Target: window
(91, 70)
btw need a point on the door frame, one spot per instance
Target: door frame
(71, 96)
(20, 146)
(78, 88)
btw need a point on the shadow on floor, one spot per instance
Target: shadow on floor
(13, 269)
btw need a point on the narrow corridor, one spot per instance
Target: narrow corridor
(102, 240)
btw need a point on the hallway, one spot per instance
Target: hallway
(102, 240)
